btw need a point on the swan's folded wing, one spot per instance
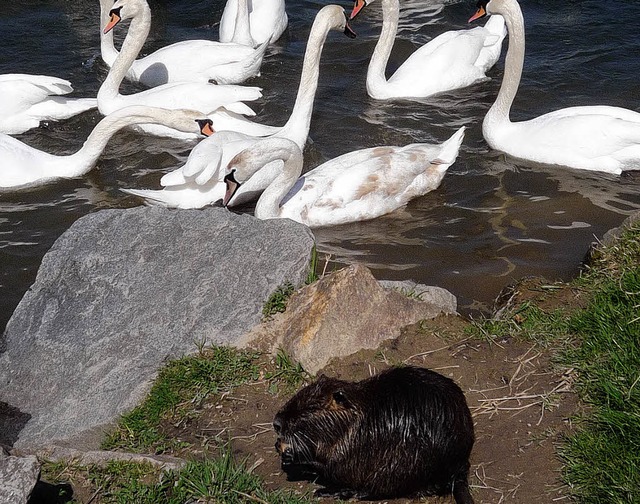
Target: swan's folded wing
(52, 85)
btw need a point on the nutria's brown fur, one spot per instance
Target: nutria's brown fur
(403, 431)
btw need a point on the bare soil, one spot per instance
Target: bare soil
(521, 402)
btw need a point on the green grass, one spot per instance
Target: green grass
(179, 390)
(603, 458)
(524, 321)
(288, 375)
(312, 275)
(277, 302)
(222, 480)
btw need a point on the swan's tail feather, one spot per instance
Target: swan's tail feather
(239, 71)
(449, 151)
(151, 197)
(239, 108)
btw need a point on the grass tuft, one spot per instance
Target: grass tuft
(277, 302)
(288, 375)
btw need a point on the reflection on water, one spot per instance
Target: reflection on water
(492, 221)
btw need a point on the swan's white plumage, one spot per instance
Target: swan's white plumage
(25, 100)
(598, 138)
(452, 60)
(357, 186)
(196, 184)
(207, 98)
(267, 20)
(189, 60)
(24, 166)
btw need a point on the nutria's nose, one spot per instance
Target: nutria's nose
(277, 425)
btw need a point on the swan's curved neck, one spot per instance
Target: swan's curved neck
(107, 48)
(83, 160)
(514, 62)
(378, 64)
(297, 127)
(242, 29)
(133, 42)
(268, 205)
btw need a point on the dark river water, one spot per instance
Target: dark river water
(492, 220)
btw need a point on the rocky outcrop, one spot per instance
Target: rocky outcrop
(18, 477)
(343, 313)
(122, 291)
(611, 236)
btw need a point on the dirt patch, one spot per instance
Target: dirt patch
(520, 401)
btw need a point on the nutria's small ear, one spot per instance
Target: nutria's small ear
(322, 377)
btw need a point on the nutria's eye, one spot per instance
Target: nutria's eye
(340, 398)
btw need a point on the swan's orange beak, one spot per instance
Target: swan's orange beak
(358, 5)
(206, 127)
(480, 13)
(114, 19)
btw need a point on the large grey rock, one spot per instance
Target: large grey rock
(18, 477)
(123, 290)
(342, 313)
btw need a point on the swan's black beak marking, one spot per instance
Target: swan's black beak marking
(347, 29)
(232, 186)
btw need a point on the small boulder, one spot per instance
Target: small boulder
(18, 477)
(121, 292)
(340, 314)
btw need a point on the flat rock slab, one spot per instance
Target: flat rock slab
(122, 291)
(345, 312)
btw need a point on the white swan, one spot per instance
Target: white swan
(357, 186)
(200, 181)
(267, 20)
(452, 60)
(25, 100)
(189, 60)
(598, 138)
(24, 166)
(204, 97)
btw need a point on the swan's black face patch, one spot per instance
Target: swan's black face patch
(206, 126)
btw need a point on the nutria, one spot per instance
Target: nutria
(406, 430)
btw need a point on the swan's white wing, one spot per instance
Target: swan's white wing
(596, 138)
(364, 184)
(198, 61)
(186, 197)
(445, 63)
(52, 85)
(25, 100)
(22, 165)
